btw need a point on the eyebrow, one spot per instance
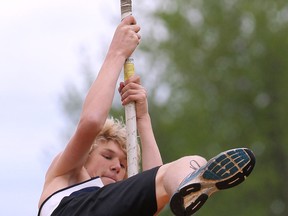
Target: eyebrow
(109, 150)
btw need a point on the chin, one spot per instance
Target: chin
(107, 180)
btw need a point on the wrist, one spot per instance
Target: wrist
(116, 55)
(143, 122)
(144, 117)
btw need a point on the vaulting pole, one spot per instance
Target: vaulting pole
(130, 111)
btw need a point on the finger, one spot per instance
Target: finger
(140, 93)
(133, 79)
(129, 20)
(139, 36)
(130, 98)
(127, 92)
(134, 98)
(121, 86)
(131, 88)
(135, 28)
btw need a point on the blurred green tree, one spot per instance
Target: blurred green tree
(224, 71)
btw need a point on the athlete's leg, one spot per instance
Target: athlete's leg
(188, 189)
(169, 177)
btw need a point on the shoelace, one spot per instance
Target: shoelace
(194, 165)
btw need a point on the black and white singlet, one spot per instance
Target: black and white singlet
(51, 203)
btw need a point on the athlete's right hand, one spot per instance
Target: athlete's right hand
(126, 37)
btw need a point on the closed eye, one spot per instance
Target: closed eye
(108, 157)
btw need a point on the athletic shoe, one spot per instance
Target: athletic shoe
(224, 171)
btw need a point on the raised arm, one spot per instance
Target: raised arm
(132, 90)
(99, 99)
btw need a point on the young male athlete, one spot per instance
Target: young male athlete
(89, 176)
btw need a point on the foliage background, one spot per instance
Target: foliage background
(216, 73)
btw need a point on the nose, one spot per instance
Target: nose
(116, 166)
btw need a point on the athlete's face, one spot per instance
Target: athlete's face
(108, 161)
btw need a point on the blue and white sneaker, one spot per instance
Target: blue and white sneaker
(224, 171)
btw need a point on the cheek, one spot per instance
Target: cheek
(100, 164)
(124, 174)
(97, 165)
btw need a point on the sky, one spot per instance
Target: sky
(40, 46)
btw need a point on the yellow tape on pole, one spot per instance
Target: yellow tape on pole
(129, 69)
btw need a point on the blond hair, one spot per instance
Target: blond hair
(113, 130)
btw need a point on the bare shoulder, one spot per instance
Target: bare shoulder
(51, 183)
(54, 183)
(51, 187)
(67, 168)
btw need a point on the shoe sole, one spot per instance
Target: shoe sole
(224, 171)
